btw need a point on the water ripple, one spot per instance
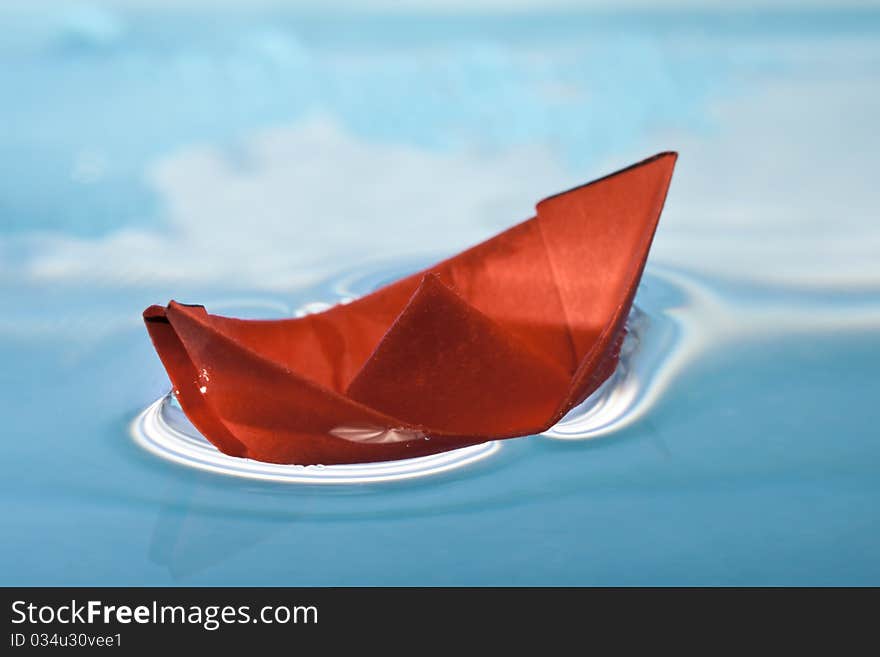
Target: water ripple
(163, 430)
(649, 350)
(655, 349)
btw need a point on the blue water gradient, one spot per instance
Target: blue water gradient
(756, 462)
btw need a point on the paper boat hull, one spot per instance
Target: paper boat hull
(498, 341)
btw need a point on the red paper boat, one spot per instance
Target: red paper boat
(499, 341)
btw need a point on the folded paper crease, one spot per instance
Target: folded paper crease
(498, 341)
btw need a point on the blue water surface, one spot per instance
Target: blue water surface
(253, 159)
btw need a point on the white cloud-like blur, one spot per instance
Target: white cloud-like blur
(776, 195)
(785, 192)
(781, 189)
(292, 204)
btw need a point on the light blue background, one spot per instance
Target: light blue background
(232, 155)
